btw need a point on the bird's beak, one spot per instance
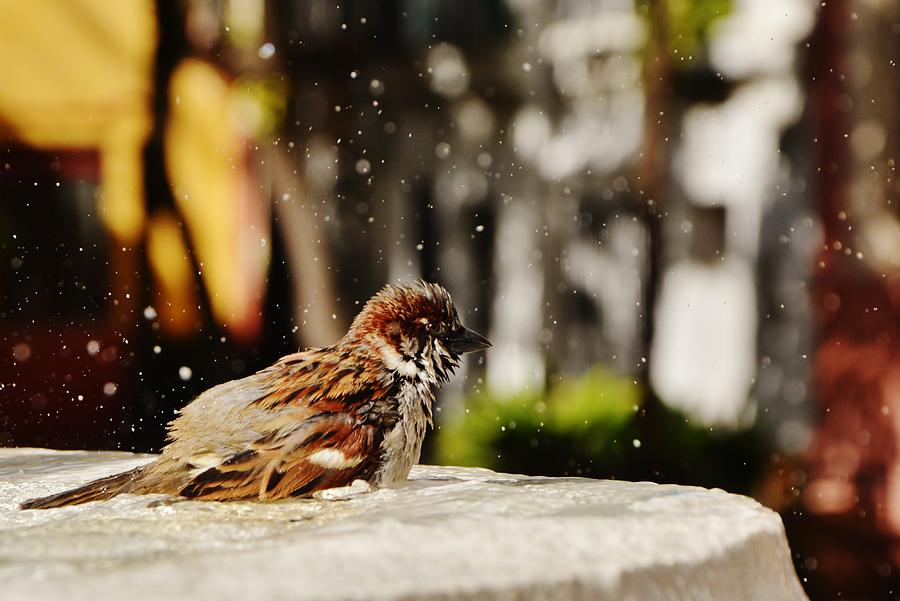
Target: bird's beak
(466, 341)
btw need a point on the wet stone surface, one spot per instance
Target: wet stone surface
(449, 533)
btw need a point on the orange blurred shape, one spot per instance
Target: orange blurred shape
(168, 255)
(76, 74)
(891, 413)
(830, 496)
(207, 150)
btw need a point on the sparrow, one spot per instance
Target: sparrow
(318, 419)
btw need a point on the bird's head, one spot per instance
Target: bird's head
(414, 327)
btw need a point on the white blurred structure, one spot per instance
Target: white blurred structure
(516, 362)
(704, 351)
(580, 124)
(704, 354)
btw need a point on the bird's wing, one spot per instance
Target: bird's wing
(312, 378)
(328, 450)
(315, 421)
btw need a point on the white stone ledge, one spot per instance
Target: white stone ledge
(450, 533)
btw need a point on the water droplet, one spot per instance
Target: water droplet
(266, 51)
(22, 352)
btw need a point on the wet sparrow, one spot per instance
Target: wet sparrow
(314, 420)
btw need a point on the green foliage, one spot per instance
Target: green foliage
(580, 418)
(263, 102)
(690, 21)
(598, 425)
(687, 25)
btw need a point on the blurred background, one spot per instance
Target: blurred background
(677, 221)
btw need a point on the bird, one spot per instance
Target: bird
(316, 419)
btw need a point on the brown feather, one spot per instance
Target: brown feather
(287, 467)
(98, 490)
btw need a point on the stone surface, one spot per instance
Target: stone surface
(449, 533)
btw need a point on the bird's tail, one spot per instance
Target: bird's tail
(98, 490)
